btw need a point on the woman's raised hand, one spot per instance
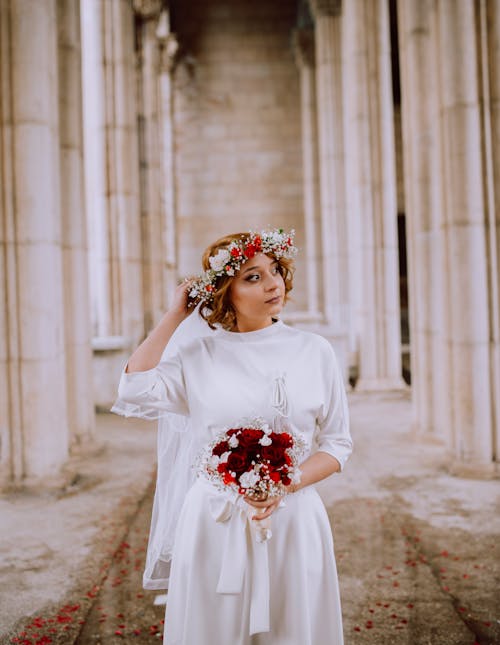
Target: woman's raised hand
(180, 301)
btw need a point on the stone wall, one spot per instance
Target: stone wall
(237, 124)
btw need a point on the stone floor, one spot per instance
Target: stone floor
(418, 550)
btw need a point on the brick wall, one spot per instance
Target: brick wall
(236, 123)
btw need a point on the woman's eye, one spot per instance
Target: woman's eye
(251, 277)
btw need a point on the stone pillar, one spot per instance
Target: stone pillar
(112, 184)
(424, 215)
(35, 430)
(450, 53)
(303, 43)
(371, 193)
(467, 233)
(74, 231)
(490, 47)
(168, 50)
(11, 438)
(148, 53)
(331, 159)
(96, 166)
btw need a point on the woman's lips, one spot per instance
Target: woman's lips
(274, 300)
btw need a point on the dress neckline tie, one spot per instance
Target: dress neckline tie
(279, 400)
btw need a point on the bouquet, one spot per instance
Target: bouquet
(254, 461)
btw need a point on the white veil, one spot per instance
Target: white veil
(175, 454)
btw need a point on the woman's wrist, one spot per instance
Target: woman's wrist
(175, 315)
(293, 488)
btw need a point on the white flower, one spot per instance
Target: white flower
(266, 429)
(233, 441)
(218, 260)
(224, 457)
(249, 479)
(265, 441)
(213, 461)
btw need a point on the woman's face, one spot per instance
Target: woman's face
(258, 290)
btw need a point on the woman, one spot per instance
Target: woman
(226, 588)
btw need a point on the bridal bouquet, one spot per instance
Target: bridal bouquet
(255, 461)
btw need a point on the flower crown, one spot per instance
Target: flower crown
(229, 260)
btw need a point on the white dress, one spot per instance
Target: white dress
(225, 587)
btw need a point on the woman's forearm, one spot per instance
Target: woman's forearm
(315, 468)
(149, 352)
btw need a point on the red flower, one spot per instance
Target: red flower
(228, 479)
(220, 448)
(274, 476)
(236, 252)
(222, 468)
(285, 480)
(282, 439)
(275, 455)
(237, 462)
(249, 438)
(250, 250)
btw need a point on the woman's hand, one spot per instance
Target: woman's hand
(180, 301)
(267, 506)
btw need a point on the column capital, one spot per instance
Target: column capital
(326, 8)
(147, 9)
(303, 47)
(169, 46)
(167, 42)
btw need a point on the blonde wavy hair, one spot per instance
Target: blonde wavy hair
(221, 310)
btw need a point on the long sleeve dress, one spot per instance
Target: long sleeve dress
(226, 588)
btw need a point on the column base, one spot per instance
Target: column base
(490, 470)
(381, 384)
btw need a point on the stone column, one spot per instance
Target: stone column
(331, 159)
(424, 215)
(74, 230)
(36, 427)
(303, 43)
(466, 149)
(168, 50)
(148, 54)
(371, 192)
(96, 166)
(450, 55)
(11, 438)
(112, 183)
(490, 48)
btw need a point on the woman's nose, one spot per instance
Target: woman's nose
(272, 281)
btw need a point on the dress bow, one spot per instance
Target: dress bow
(242, 554)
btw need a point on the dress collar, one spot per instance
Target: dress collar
(242, 337)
